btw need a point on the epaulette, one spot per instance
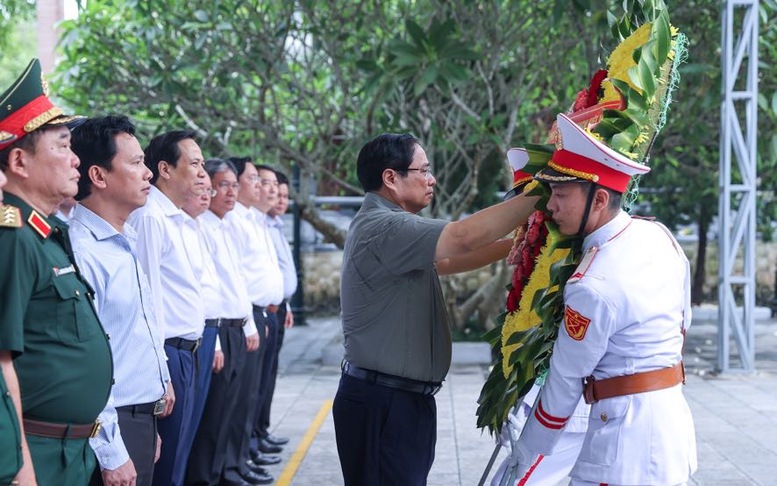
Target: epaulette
(10, 217)
(585, 263)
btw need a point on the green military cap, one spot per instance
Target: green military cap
(25, 107)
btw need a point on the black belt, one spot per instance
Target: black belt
(424, 388)
(222, 322)
(185, 344)
(153, 408)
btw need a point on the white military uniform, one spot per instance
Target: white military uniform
(625, 310)
(553, 468)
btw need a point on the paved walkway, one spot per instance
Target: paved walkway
(735, 414)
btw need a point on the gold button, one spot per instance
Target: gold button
(603, 417)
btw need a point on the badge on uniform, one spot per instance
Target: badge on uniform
(64, 271)
(575, 323)
(10, 217)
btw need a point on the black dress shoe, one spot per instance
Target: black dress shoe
(256, 468)
(279, 441)
(261, 459)
(252, 478)
(268, 448)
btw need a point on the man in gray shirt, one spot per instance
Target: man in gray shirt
(397, 334)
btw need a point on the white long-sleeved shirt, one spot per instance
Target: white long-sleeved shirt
(175, 287)
(258, 260)
(233, 301)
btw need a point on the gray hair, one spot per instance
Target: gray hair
(214, 166)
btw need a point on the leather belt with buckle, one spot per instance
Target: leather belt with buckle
(185, 344)
(222, 322)
(61, 431)
(427, 388)
(153, 408)
(617, 386)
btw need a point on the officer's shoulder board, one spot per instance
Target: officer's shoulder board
(584, 265)
(10, 217)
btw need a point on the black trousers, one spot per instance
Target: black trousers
(269, 375)
(384, 436)
(138, 431)
(208, 455)
(241, 423)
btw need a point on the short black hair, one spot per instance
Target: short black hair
(240, 164)
(94, 142)
(165, 147)
(216, 165)
(264, 167)
(616, 198)
(386, 151)
(282, 179)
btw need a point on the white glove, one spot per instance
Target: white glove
(522, 459)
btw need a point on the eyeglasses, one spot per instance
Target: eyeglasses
(223, 186)
(424, 171)
(211, 192)
(268, 182)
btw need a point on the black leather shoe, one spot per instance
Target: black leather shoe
(256, 468)
(261, 459)
(268, 448)
(252, 478)
(279, 441)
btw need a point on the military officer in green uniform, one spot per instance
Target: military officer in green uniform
(62, 359)
(10, 433)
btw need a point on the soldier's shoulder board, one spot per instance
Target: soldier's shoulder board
(585, 262)
(10, 217)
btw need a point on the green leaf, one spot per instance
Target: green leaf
(201, 15)
(416, 33)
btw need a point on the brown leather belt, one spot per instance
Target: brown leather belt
(595, 390)
(61, 431)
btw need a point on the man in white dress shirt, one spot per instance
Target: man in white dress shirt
(264, 284)
(626, 310)
(233, 316)
(176, 162)
(114, 182)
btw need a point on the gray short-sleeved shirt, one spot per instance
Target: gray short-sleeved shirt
(394, 316)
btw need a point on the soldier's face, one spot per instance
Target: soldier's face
(567, 205)
(128, 181)
(53, 169)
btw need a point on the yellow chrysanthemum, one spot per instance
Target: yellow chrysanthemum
(621, 59)
(526, 317)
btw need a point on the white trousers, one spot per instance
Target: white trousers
(552, 469)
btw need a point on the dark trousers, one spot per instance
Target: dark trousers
(208, 453)
(384, 436)
(170, 469)
(204, 361)
(269, 373)
(241, 423)
(138, 432)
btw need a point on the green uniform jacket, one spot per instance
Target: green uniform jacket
(48, 320)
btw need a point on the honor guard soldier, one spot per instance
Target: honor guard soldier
(626, 310)
(47, 320)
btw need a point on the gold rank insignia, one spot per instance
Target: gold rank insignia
(10, 217)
